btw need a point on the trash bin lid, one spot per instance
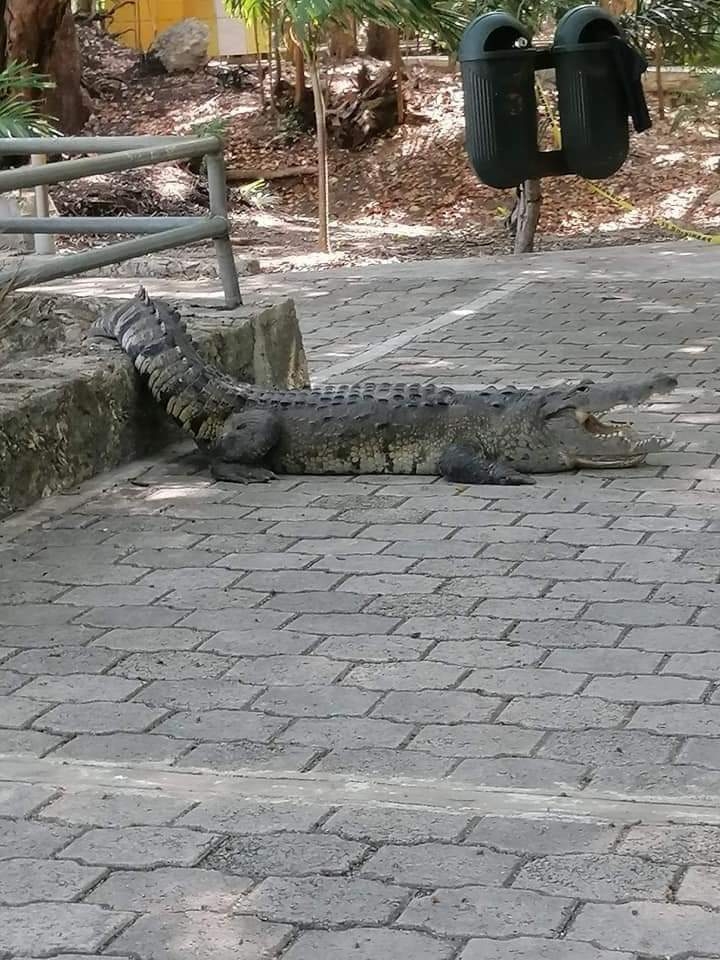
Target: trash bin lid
(586, 24)
(491, 33)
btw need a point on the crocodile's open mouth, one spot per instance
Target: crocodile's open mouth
(618, 443)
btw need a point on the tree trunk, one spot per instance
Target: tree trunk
(398, 66)
(381, 42)
(299, 69)
(259, 64)
(43, 32)
(659, 57)
(527, 215)
(341, 41)
(322, 155)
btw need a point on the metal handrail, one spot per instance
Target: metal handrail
(156, 233)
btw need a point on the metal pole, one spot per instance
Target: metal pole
(44, 243)
(10, 146)
(95, 225)
(66, 170)
(217, 187)
(76, 263)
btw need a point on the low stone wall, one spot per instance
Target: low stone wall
(72, 406)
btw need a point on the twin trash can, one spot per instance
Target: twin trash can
(598, 76)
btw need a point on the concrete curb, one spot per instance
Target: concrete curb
(69, 414)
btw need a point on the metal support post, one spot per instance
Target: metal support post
(217, 187)
(44, 243)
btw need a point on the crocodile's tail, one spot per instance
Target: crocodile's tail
(197, 395)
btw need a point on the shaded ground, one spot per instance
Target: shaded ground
(410, 195)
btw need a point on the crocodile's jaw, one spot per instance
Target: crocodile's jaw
(594, 443)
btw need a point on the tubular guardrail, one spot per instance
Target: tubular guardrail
(155, 233)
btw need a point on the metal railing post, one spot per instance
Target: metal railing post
(217, 187)
(44, 243)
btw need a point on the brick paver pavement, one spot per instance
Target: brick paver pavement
(385, 717)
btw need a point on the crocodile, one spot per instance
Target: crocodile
(490, 436)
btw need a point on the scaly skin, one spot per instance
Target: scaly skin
(488, 436)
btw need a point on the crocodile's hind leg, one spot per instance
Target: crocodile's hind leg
(463, 465)
(246, 440)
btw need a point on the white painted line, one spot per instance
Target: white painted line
(340, 790)
(382, 349)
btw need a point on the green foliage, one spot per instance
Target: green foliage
(217, 127)
(19, 116)
(687, 29)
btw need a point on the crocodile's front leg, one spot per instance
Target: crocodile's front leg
(463, 465)
(246, 440)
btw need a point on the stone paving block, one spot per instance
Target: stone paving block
(673, 843)
(266, 560)
(346, 733)
(384, 763)
(704, 752)
(105, 808)
(378, 649)
(285, 855)
(26, 880)
(522, 682)
(486, 912)
(227, 617)
(123, 748)
(170, 889)
(286, 670)
(455, 628)
(255, 817)
(533, 609)
(99, 717)
(601, 660)
(10, 682)
(19, 799)
(666, 571)
(260, 642)
(197, 694)
(112, 595)
(201, 935)
(140, 847)
(700, 885)
(360, 563)
(436, 706)
(28, 838)
(538, 835)
(184, 579)
(324, 900)
(216, 603)
(698, 719)
(519, 773)
(557, 713)
(639, 613)
(475, 740)
(244, 755)
(404, 676)
(495, 587)
(129, 617)
(37, 614)
(173, 665)
(48, 928)
(80, 688)
(433, 865)
(337, 546)
(678, 639)
(419, 605)
(594, 747)
(665, 780)
(17, 712)
(345, 624)
(317, 700)
(221, 725)
(366, 943)
(600, 590)
(535, 948)
(428, 548)
(27, 743)
(62, 660)
(560, 633)
(391, 825)
(658, 929)
(702, 665)
(647, 689)
(494, 655)
(596, 877)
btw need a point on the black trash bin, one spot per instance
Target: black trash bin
(599, 85)
(498, 73)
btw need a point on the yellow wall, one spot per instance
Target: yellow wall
(141, 20)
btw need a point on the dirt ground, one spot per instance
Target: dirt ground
(411, 194)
